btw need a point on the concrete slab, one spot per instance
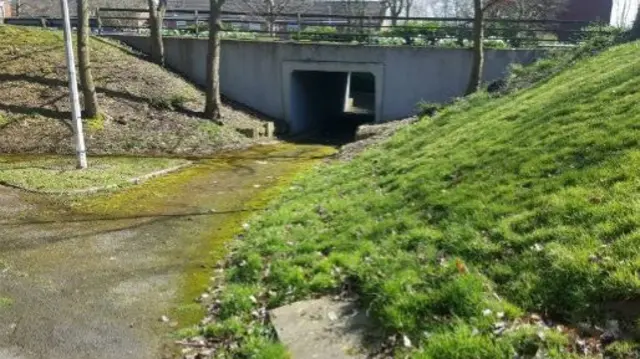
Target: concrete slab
(322, 328)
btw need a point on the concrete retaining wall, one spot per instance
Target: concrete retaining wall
(253, 73)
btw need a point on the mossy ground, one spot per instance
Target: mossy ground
(5, 302)
(163, 195)
(59, 174)
(528, 203)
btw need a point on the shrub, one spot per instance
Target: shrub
(429, 109)
(318, 33)
(424, 32)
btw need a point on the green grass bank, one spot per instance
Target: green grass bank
(461, 226)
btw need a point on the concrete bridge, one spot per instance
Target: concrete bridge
(309, 85)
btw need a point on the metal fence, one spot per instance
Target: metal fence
(308, 27)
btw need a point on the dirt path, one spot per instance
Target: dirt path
(90, 278)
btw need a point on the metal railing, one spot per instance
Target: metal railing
(309, 27)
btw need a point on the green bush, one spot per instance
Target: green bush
(319, 33)
(423, 32)
(429, 109)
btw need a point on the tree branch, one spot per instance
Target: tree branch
(490, 4)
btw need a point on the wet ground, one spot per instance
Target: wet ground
(90, 277)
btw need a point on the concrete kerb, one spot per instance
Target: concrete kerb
(92, 190)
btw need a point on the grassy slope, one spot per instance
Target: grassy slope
(148, 110)
(528, 203)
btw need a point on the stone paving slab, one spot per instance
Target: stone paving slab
(322, 328)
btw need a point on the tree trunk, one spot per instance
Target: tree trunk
(156, 15)
(477, 66)
(635, 31)
(84, 62)
(214, 104)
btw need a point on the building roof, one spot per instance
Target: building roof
(335, 7)
(51, 8)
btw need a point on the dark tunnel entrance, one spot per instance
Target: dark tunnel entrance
(331, 105)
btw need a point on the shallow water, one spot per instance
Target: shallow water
(89, 277)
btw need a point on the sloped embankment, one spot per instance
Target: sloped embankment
(147, 109)
(457, 230)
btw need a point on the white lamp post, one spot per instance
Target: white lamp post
(76, 114)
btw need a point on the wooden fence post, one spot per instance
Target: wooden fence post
(99, 20)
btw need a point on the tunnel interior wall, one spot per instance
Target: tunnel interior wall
(317, 99)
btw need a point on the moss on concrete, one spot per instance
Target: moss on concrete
(156, 197)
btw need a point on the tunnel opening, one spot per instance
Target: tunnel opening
(331, 105)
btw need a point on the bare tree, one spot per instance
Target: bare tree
(213, 102)
(408, 4)
(480, 9)
(84, 62)
(635, 30)
(395, 9)
(511, 9)
(270, 10)
(528, 9)
(157, 10)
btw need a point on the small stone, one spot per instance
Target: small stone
(499, 327)
(332, 316)
(253, 299)
(535, 317)
(487, 312)
(112, 258)
(164, 319)
(406, 341)
(204, 296)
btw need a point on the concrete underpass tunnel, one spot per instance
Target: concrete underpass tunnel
(331, 103)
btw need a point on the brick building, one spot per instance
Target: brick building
(5, 9)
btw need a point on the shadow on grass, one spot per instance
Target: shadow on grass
(31, 54)
(4, 77)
